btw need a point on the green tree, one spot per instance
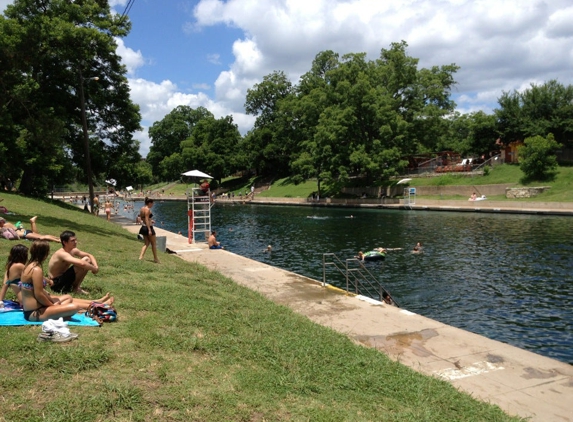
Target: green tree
(171, 167)
(469, 134)
(271, 143)
(167, 134)
(537, 111)
(537, 158)
(357, 117)
(212, 147)
(48, 49)
(143, 174)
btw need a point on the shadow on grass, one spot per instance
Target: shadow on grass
(69, 224)
(540, 178)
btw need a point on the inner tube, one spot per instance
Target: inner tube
(374, 256)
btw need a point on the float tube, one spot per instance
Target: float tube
(374, 256)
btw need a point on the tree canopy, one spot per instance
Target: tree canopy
(349, 116)
(47, 49)
(537, 111)
(537, 157)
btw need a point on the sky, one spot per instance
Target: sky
(210, 52)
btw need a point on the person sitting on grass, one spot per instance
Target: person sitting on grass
(11, 232)
(36, 302)
(68, 266)
(213, 244)
(14, 267)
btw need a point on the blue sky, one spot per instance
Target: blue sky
(209, 52)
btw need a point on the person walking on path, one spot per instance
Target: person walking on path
(108, 206)
(147, 230)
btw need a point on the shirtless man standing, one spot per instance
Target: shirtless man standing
(68, 266)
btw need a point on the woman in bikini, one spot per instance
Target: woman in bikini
(14, 267)
(147, 230)
(21, 233)
(37, 303)
(12, 278)
(108, 206)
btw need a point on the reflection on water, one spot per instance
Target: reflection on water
(507, 277)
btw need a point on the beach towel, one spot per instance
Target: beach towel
(16, 317)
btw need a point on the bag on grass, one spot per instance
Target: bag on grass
(101, 312)
(9, 233)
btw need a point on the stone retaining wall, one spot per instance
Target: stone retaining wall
(524, 192)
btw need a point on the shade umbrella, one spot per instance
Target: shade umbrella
(401, 182)
(196, 173)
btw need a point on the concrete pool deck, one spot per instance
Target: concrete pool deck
(519, 382)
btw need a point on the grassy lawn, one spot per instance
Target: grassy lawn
(191, 345)
(505, 173)
(560, 191)
(561, 188)
(283, 188)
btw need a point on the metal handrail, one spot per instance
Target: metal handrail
(356, 277)
(488, 162)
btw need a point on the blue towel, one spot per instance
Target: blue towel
(17, 318)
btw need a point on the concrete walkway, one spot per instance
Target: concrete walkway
(520, 382)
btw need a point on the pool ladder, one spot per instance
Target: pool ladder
(358, 279)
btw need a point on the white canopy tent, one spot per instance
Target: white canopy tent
(196, 173)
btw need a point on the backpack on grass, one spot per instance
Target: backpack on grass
(101, 312)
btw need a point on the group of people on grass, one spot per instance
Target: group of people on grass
(67, 268)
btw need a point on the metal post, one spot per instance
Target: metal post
(86, 142)
(323, 270)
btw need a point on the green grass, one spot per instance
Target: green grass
(284, 188)
(561, 187)
(505, 173)
(192, 345)
(560, 191)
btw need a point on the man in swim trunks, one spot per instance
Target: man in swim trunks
(68, 266)
(213, 244)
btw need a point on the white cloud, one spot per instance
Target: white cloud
(214, 58)
(113, 3)
(203, 86)
(157, 100)
(499, 45)
(130, 58)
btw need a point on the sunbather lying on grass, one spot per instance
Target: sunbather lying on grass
(11, 232)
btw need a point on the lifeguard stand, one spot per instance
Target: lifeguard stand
(199, 214)
(409, 196)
